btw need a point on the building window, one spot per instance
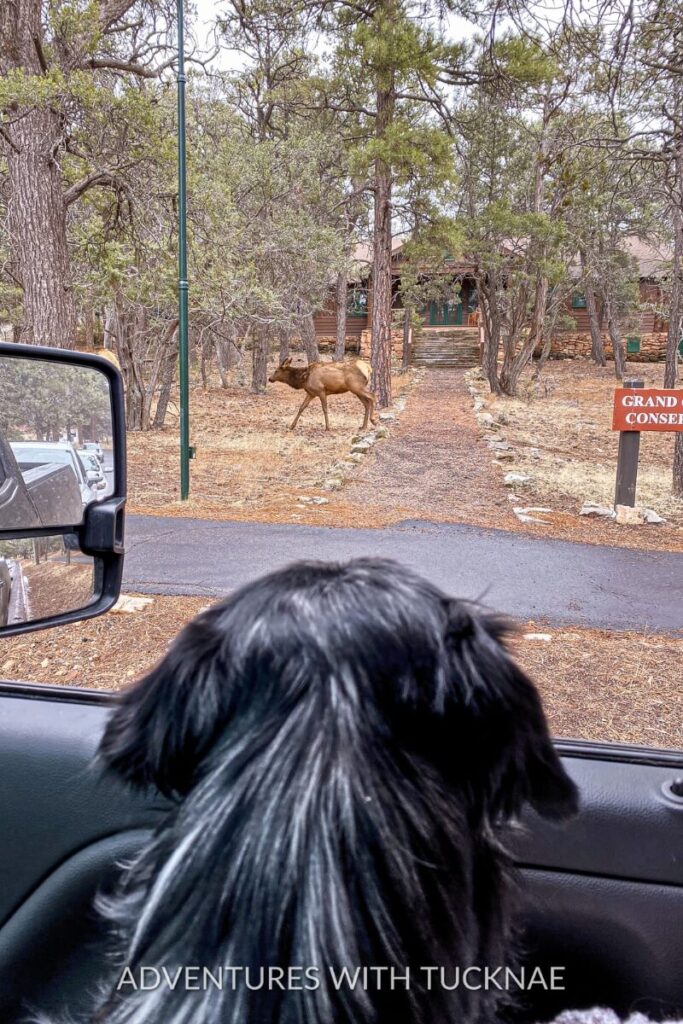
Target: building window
(578, 301)
(357, 302)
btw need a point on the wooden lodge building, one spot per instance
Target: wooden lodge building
(450, 332)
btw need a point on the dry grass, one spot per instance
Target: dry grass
(562, 437)
(434, 465)
(596, 685)
(248, 464)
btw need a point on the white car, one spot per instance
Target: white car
(39, 453)
(95, 448)
(93, 470)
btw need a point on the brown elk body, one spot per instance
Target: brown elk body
(319, 380)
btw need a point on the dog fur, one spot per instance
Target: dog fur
(341, 746)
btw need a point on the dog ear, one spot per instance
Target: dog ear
(161, 727)
(503, 736)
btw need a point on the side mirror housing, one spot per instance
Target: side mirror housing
(61, 544)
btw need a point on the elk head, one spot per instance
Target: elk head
(282, 373)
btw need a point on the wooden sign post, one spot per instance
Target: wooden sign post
(637, 408)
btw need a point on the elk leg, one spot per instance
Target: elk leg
(323, 402)
(370, 408)
(366, 409)
(306, 402)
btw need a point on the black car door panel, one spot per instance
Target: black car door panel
(604, 893)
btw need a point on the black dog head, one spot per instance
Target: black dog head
(427, 675)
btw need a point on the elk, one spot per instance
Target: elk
(319, 380)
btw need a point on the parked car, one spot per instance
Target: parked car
(40, 494)
(96, 448)
(93, 470)
(30, 454)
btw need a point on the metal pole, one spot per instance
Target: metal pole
(183, 354)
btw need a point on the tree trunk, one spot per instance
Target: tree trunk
(37, 207)
(615, 337)
(407, 336)
(341, 299)
(259, 360)
(676, 326)
(597, 347)
(380, 342)
(309, 340)
(167, 377)
(673, 337)
(488, 305)
(227, 355)
(678, 466)
(285, 343)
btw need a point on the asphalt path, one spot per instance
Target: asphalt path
(527, 577)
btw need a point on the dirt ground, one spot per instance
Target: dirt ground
(596, 685)
(248, 464)
(55, 587)
(559, 430)
(434, 464)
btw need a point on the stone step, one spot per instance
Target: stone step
(469, 353)
(427, 346)
(446, 363)
(471, 336)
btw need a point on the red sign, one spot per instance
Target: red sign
(648, 409)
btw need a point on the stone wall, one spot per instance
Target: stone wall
(569, 345)
(327, 342)
(396, 344)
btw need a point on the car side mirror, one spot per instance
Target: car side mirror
(61, 528)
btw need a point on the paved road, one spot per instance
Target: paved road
(528, 577)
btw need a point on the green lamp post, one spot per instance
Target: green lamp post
(183, 352)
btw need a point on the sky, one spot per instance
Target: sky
(208, 9)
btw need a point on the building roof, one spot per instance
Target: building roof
(653, 257)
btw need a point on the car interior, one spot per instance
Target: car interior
(603, 893)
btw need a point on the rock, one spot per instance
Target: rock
(304, 500)
(355, 459)
(381, 432)
(8, 665)
(387, 417)
(485, 419)
(361, 447)
(478, 404)
(508, 456)
(545, 637)
(45, 662)
(500, 446)
(637, 516)
(591, 509)
(320, 501)
(515, 478)
(627, 515)
(333, 483)
(127, 604)
(400, 404)
(524, 515)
